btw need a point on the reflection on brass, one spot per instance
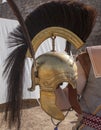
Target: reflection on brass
(55, 31)
(48, 104)
(54, 68)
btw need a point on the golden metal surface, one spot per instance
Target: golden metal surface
(53, 69)
(48, 104)
(55, 31)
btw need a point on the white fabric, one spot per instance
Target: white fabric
(3, 1)
(6, 26)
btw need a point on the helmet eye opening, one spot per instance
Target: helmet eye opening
(63, 85)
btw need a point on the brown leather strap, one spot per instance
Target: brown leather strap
(73, 99)
(85, 63)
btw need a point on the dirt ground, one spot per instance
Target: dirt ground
(36, 119)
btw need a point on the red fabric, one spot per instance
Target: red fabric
(92, 121)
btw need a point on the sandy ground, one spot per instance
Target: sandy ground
(36, 119)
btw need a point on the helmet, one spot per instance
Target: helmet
(54, 68)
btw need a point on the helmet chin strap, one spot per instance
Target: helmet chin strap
(58, 123)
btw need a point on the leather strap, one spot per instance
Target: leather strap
(85, 62)
(73, 99)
